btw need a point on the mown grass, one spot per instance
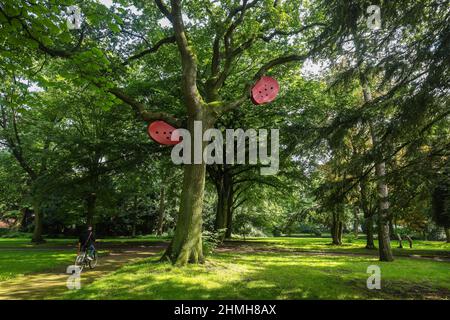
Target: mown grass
(272, 276)
(349, 245)
(310, 243)
(14, 263)
(240, 273)
(19, 257)
(26, 242)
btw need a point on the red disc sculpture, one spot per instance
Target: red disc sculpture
(265, 90)
(162, 132)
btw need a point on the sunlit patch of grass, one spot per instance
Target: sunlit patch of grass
(162, 280)
(26, 242)
(348, 245)
(14, 263)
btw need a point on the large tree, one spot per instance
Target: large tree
(249, 39)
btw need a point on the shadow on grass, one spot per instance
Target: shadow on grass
(269, 275)
(257, 276)
(432, 250)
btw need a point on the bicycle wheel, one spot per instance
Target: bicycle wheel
(94, 261)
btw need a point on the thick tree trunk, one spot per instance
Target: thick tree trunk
(229, 215)
(340, 231)
(224, 204)
(134, 217)
(21, 223)
(356, 221)
(409, 241)
(91, 203)
(186, 245)
(230, 208)
(384, 240)
(161, 210)
(221, 215)
(368, 215)
(369, 232)
(400, 244)
(336, 229)
(333, 232)
(391, 229)
(38, 224)
(447, 234)
(336, 233)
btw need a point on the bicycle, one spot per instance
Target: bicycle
(83, 261)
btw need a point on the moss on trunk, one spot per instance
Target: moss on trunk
(186, 245)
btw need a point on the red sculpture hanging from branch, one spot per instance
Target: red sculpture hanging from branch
(265, 90)
(163, 133)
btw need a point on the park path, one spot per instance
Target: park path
(53, 284)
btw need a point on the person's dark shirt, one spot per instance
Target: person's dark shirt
(86, 238)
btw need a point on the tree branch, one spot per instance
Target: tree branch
(191, 94)
(240, 8)
(266, 67)
(290, 33)
(231, 53)
(15, 146)
(237, 205)
(153, 49)
(278, 61)
(140, 109)
(162, 7)
(52, 51)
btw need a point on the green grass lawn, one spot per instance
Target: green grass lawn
(349, 245)
(26, 242)
(18, 256)
(272, 276)
(14, 263)
(245, 273)
(310, 243)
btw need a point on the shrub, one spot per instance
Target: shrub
(276, 232)
(211, 241)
